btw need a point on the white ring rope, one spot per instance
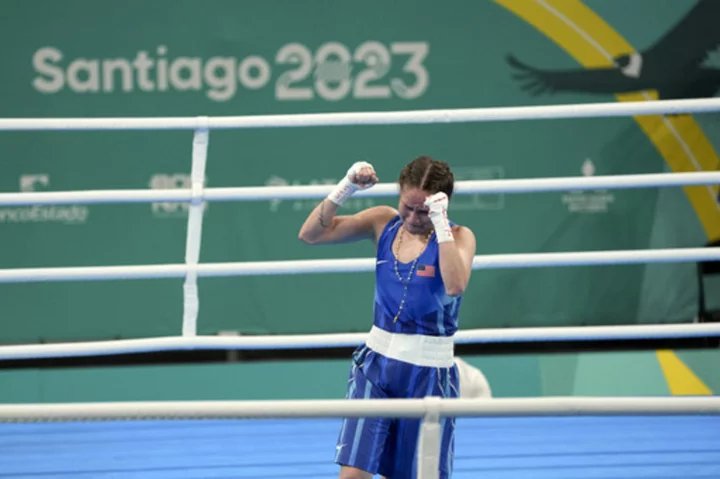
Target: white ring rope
(348, 265)
(198, 194)
(340, 408)
(258, 193)
(429, 410)
(461, 115)
(339, 340)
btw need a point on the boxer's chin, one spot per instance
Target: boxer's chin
(415, 229)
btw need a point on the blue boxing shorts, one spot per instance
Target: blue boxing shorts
(387, 446)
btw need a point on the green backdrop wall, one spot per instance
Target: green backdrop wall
(82, 58)
(640, 373)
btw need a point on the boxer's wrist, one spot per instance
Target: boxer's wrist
(437, 211)
(443, 230)
(344, 190)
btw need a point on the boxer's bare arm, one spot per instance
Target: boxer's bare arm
(324, 226)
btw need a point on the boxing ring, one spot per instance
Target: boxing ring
(557, 437)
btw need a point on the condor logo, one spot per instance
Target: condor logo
(676, 65)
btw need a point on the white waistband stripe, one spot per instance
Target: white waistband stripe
(430, 351)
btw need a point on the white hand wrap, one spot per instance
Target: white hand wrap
(438, 204)
(346, 187)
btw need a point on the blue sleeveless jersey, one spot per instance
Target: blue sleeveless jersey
(428, 309)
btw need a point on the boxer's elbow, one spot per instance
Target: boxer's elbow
(455, 288)
(308, 238)
(454, 291)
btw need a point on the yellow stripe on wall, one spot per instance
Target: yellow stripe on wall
(681, 380)
(590, 41)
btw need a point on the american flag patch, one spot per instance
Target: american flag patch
(426, 270)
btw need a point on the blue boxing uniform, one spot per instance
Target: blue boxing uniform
(408, 358)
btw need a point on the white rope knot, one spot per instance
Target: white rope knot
(433, 406)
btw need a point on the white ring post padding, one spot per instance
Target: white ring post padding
(350, 265)
(259, 193)
(341, 408)
(462, 115)
(191, 303)
(337, 340)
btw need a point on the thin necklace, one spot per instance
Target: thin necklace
(405, 283)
